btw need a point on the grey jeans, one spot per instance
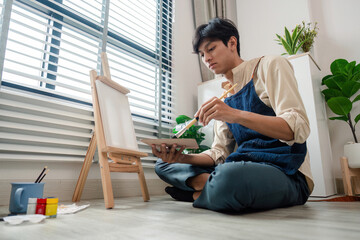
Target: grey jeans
(239, 186)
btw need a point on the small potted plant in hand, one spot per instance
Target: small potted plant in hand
(341, 95)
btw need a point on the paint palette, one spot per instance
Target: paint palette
(32, 218)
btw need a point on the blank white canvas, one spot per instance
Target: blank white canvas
(116, 117)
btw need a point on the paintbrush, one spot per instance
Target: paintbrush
(192, 122)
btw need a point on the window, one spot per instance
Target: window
(48, 48)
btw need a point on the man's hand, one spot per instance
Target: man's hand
(215, 109)
(169, 155)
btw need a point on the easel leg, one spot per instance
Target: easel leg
(106, 180)
(346, 176)
(85, 169)
(144, 188)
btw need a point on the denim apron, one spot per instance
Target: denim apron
(255, 147)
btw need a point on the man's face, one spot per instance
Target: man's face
(216, 56)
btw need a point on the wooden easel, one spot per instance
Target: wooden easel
(124, 160)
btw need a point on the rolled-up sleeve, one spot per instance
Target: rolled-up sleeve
(281, 86)
(223, 143)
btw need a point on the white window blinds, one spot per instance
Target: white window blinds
(48, 48)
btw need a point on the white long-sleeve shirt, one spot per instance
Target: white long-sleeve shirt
(276, 86)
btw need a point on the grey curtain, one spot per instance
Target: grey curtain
(204, 10)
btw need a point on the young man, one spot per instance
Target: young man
(265, 118)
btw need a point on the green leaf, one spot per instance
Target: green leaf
(349, 88)
(296, 40)
(357, 118)
(288, 37)
(356, 77)
(340, 105)
(294, 32)
(357, 98)
(343, 118)
(324, 78)
(287, 47)
(299, 46)
(356, 69)
(182, 119)
(294, 37)
(335, 81)
(349, 68)
(330, 93)
(338, 66)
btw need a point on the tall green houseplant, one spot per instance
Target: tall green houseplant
(342, 86)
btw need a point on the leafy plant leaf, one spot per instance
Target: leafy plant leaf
(338, 66)
(324, 78)
(299, 46)
(335, 81)
(357, 118)
(343, 118)
(286, 46)
(356, 69)
(296, 40)
(288, 38)
(355, 76)
(330, 93)
(294, 37)
(349, 88)
(356, 99)
(340, 105)
(349, 68)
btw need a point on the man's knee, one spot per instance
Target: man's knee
(160, 166)
(228, 174)
(229, 182)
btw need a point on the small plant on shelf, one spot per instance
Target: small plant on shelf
(308, 35)
(302, 37)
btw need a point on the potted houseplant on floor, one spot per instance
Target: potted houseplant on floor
(341, 95)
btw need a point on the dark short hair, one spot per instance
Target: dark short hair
(216, 29)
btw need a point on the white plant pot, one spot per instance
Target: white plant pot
(352, 152)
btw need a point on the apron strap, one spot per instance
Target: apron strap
(255, 69)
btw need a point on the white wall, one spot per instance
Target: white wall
(186, 64)
(260, 20)
(339, 36)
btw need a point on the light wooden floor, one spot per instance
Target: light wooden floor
(163, 218)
